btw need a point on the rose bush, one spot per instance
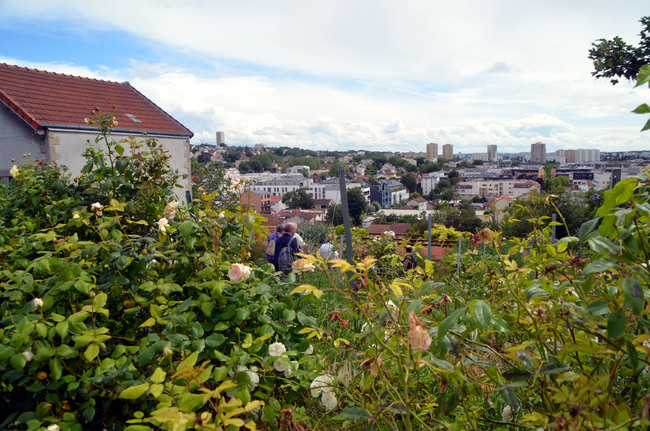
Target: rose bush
(116, 305)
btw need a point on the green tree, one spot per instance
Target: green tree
(212, 178)
(410, 183)
(299, 199)
(357, 205)
(334, 169)
(614, 58)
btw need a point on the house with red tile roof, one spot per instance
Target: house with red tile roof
(43, 113)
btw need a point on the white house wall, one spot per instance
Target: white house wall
(67, 148)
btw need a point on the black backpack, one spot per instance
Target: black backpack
(286, 258)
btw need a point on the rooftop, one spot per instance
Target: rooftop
(53, 100)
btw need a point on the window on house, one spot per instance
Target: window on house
(133, 117)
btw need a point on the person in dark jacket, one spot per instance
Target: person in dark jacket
(286, 240)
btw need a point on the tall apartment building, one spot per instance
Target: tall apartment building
(492, 152)
(538, 152)
(448, 152)
(221, 139)
(432, 152)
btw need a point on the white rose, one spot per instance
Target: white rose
(309, 350)
(97, 207)
(280, 366)
(28, 355)
(163, 224)
(506, 414)
(14, 171)
(277, 349)
(320, 385)
(38, 302)
(291, 368)
(54, 427)
(239, 273)
(329, 400)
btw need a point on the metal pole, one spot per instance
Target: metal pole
(553, 218)
(430, 221)
(348, 238)
(346, 215)
(460, 248)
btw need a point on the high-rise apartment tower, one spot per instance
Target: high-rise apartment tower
(538, 152)
(448, 152)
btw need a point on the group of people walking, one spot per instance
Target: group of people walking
(285, 242)
(286, 236)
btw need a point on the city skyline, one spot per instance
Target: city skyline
(371, 75)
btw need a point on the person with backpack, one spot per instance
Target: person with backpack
(271, 242)
(285, 249)
(409, 260)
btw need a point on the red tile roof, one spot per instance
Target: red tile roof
(46, 100)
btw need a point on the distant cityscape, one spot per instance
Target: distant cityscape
(489, 180)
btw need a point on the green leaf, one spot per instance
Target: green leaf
(66, 351)
(185, 305)
(186, 228)
(206, 271)
(621, 193)
(133, 392)
(509, 395)
(602, 245)
(449, 321)
(646, 127)
(18, 361)
(158, 376)
(482, 313)
(56, 369)
(526, 360)
(197, 330)
(633, 295)
(643, 76)
(587, 227)
(598, 307)
(215, 340)
(91, 352)
(62, 328)
(553, 367)
(355, 414)
(517, 374)
(642, 109)
(632, 354)
(100, 300)
(137, 428)
(600, 265)
(616, 323)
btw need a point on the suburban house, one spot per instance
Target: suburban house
(43, 114)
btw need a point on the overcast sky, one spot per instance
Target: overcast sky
(357, 74)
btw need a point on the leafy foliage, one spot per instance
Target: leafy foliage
(614, 58)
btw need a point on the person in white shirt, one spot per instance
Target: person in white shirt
(301, 243)
(327, 251)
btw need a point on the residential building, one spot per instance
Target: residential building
(430, 181)
(278, 184)
(44, 114)
(538, 152)
(221, 139)
(260, 201)
(432, 152)
(492, 153)
(448, 152)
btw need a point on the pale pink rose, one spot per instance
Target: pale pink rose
(239, 272)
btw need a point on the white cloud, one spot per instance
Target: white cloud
(373, 74)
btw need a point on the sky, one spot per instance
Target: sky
(357, 74)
